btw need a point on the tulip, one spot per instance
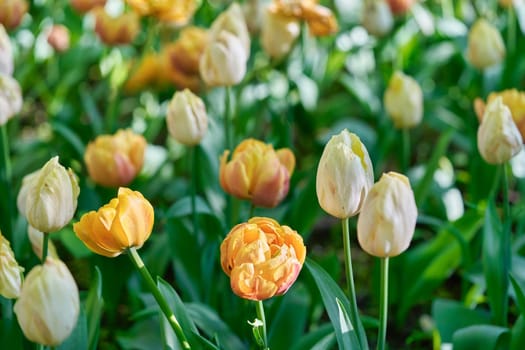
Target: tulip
(115, 160)
(498, 137)
(400, 7)
(278, 33)
(257, 172)
(48, 307)
(10, 271)
(126, 221)
(262, 258)
(144, 73)
(404, 101)
(232, 20)
(37, 238)
(58, 38)
(377, 17)
(187, 119)
(177, 12)
(10, 98)
(320, 20)
(84, 6)
(12, 12)
(118, 30)
(48, 197)
(344, 175)
(6, 53)
(485, 45)
(388, 217)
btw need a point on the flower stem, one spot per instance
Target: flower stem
(405, 160)
(5, 180)
(228, 146)
(261, 316)
(511, 30)
(506, 241)
(161, 301)
(194, 176)
(354, 313)
(45, 244)
(383, 306)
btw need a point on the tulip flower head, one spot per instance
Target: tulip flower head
(404, 101)
(344, 175)
(377, 17)
(48, 197)
(10, 98)
(320, 19)
(12, 12)
(58, 38)
(10, 271)
(187, 119)
(279, 33)
(498, 136)
(388, 217)
(126, 221)
(177, 12)
(400, 7)
(262, 258)
(36, 238)
(6, 53)
(485, 45)
(257, 172)
(118, 30)
(48, 307)
(83, 6)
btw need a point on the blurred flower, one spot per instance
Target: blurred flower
(36, 238)
(388, 218)
(118, 30)
(278, 33)
(232, 20)
(377, 17)
(253, 10)
(257, 172)
(262, 258)
(177, 12)
(10, 271)
(115, 160)
(10, 98)
(485, 46)
(513, 99)
(48, 197)
(58, 38)
(400, 7)
(6, 53)
(144, 74)
(186, 118)
(48, 307)
(344, 175)
(84, 6)
(320, 20)
(126, 221)
(11, 12)
(498, 137)
(404, 101)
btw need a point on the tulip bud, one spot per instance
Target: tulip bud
(232, 20)
(485, 45)
(377, 17)
(404, 101)
(84, 6)
(257, 172)
(58, 38)
(278, 33)
(344, 175)
(12, 12)
(262, 258)
(48, 197)
(115, 160)
(388, 218)
(187, 119)
(126, 221)
(118, 30)
(6, 53)
(10, 271)
(37, 238)
(10, 98)
(400, 7)
(48, 307)
(498, 137)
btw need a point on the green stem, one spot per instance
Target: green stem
(6, 182)
(45, 244)
(252, 210)
(354, 313)
(405, 160)
(161, 301)
(506, 240)
(383, 306)
(261, 316)
(228, 146)
(194, 176)
(511, 30)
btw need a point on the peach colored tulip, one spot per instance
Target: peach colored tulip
(118, 30)
(126, 221)
(84, 6)
(177, 12)
(262, 258)
(12, 12)
(58, 38)
(257, 172)
(400, 7)
(320, 19)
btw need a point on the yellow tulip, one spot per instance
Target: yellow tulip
(262, 258)
(485, 45)
(404, 101)
(10, 271)
(257, 172)
(117, 30)
(177, 12)
(126, 221)
(278, 33)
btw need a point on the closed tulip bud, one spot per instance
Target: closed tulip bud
(377, 17)
(12, 12)
(126, 221)
(115, 160)
(36, 238)
(84, 6)
(48, 307)
(257, 172)
(118, 30)
(278, 33)
(58, 38)
(262, 258)
(48, 197)
(485, 45)
(10, 271)
(6, 53)
(404, 101)
(187, 119)
(388, 218)
(10, 98)
(498, 137)
(344, 175)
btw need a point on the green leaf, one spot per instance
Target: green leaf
(520, 296)
(94, 306)
(69, 136)
(182, 208)
(320, 339)
(481, 337)
(451, 315)
(518, 334)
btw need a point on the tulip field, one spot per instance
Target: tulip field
(262, 174)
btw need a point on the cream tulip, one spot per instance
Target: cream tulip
(10, 271)
(404, 101)
(6, 53)
(232, 20)
(186, 118)
(278, 33)
(377, 17)
(10, 98)
(485, 45)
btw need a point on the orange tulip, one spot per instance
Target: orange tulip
(257, 172)
(126, 221)
(144, 74)
(11, 12)
(178, 12)
(320, 20)
(84, 6)
(262, 258)
(116, 30)
(115, 160)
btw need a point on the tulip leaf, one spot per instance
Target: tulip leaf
(337, 306)
(182, 208)
(518, 334)
(94, 306)
(320, 339)
(481, 337)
